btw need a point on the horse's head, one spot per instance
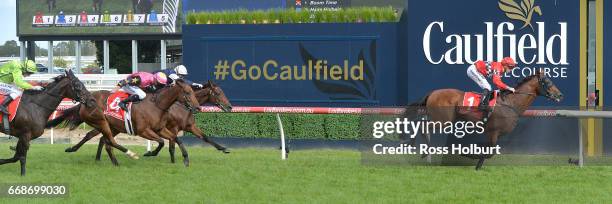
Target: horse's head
(212, 93)
(187, 96)
(68, 86)
(547, 88)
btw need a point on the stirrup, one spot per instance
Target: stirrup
(123, 106)
(4, 110)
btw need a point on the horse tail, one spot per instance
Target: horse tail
(421, 103)
(70, 117)
(414, 111)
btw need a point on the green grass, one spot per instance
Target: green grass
(317, 176)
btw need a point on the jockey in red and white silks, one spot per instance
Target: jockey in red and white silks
(481, 70)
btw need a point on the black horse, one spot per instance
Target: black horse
(37, 106)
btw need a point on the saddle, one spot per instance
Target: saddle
(12, 108)
(112, 109)
(471, 101)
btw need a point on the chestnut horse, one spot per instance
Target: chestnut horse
(179, 118)
(147, 115)
(37, 106)
(446, 105)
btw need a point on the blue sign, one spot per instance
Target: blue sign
(389, 64)
(297, 64)
(442, 41)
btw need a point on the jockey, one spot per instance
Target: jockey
(11, 80)
(136, 82)
(179, 72)
(481, 70)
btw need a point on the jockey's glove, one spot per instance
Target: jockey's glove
(197, 85)
(511, 89)
(37, 88)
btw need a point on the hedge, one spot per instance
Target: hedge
(349, 15)
(296, 126)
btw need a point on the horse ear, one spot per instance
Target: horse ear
(210, 83)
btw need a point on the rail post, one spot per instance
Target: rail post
(580, 145)
(282, 135)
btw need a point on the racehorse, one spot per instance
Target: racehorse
(447, 105)
(36, 107)
(147, 115)
(179, 118)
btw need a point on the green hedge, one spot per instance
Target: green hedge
(349, 15)
(296, 126)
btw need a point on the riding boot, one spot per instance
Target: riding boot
(123, 104)
(4, 105)
(484, 100)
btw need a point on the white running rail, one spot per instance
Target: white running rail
(93, 82)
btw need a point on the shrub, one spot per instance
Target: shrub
(349, 15)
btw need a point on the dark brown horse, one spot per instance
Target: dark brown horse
(35, 109)
(147, 116)
(446, 105)
(179, 118)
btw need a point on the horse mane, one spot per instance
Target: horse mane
(55, 81)
(525, 80)
(521, 83)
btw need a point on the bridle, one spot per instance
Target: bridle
(75, 89)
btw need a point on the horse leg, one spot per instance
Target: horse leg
(171, 149)
(87, 137)
(183, 151)
(109, 151)
(160, 145)
(99, 151)
(104, 128)
(492, 141)
(101, 144)
(22, 152)
(18, 150)
(197, 132)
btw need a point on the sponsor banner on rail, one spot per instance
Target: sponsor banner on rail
(87, 17)
(538, 34)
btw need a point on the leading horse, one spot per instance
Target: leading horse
(37, 106)
(447, 105)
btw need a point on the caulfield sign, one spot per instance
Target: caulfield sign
(537, 34)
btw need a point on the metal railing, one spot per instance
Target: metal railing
(93, 82)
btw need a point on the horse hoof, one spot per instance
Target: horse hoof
(132, 154)
(69, 149)
(149, 154)
(225, 151)
(186, 163)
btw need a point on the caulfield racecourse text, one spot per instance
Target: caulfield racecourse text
(272, 70)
